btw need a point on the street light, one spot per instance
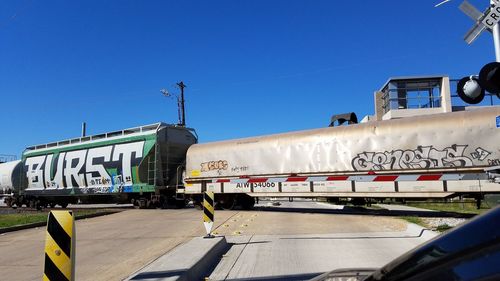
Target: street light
(180, 102)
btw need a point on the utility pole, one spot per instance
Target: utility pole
(181, 101)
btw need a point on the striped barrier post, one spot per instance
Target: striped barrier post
(60, 247)
(208, 212)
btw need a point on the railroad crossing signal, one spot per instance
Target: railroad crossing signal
(60, 247)
(208, 212)
(472, 89)
(489, 77)
(486, 20)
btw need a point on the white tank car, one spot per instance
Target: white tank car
(459, 141)
(10, 176)
(437, 155)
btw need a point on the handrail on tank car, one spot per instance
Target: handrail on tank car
(140, 129)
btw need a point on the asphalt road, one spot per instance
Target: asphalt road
(113, 247)
(107, 248)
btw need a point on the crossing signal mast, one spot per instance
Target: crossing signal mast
(471, 89)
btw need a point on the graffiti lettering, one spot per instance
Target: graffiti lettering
(94, 167)
(239, 169)
(480, 154)
(214, 165)
(494, 162)
(423, 157)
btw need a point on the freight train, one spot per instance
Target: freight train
(141, 165)
(432, 156)
(432, 151)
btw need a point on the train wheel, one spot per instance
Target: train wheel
(164, 203)
(143, 203)
(63, 205)
(152, 204)
(227, 202)
(247, 202)
(52, 205)
(157, 205)
(197, 202)
(358, 201)
(135, 203)
(180, 203)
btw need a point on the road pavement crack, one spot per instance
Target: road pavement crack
(224, 222)
(239, 255)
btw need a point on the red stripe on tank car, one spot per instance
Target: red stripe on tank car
(296, 179)
(223, 180)
(429, 177)
(385, 178)
(255, 180)
(337, 178)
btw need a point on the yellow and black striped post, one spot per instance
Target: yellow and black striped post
(208, 211)
(60, 247)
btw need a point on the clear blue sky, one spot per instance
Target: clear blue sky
(251, 67)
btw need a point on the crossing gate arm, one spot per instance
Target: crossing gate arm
(356, 178)
(354, 184)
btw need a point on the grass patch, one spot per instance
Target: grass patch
(443, 227)
(457, 207)
(415, 220)
(421, 222)
(21, 218)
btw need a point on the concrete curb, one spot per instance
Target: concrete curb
(39, 224)
(193, 260)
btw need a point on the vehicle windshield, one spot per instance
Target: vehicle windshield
(246, 140)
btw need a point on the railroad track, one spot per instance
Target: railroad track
(10, 210)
